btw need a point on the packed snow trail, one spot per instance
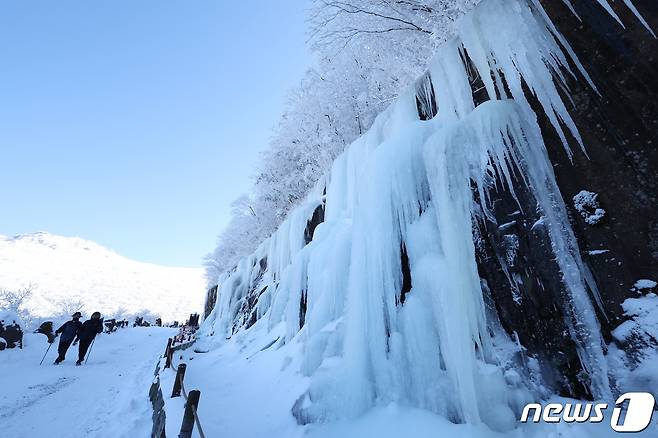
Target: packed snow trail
(108, 397)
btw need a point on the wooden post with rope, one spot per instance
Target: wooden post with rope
(180, 375)
(190, 416)
(190, 413)
(170, 353)
(168, 347)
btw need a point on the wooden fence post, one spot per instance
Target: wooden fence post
(168, 347)
(188, 417)
(180, 375)
(168, 361)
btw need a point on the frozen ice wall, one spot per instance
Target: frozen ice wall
(375, 274)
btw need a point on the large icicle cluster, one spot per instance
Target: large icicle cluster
(385, 299)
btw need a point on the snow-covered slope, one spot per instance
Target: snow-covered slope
(70, 268)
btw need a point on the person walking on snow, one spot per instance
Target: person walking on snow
(90, 328)
(69, 331)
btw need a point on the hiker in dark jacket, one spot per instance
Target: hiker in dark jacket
(69, 330)
(87, 333)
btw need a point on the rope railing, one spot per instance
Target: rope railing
(191, 399)
(194, 411)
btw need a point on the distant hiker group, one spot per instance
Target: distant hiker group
(74, 332)
(11, 334)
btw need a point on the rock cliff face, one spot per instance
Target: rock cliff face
(482, 237)
(618, 126)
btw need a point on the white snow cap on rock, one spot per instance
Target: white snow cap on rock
(587, 205)
(8, 318)
(645, 284)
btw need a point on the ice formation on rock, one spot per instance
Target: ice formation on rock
(385, 299)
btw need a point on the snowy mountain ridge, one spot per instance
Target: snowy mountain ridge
(66, 269)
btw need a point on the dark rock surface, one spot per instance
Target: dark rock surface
(11, 334)
(619, 129)
(211, 300)
(313, 222)
(620, 132)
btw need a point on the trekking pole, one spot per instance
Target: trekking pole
(50, 344)
(89, 353)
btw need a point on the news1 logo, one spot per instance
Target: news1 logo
(638, 413)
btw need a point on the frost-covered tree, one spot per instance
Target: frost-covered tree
(341, 21)
(67, 306)
(15, 301)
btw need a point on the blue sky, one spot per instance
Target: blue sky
(136, 123)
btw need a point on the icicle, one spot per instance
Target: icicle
(610, 11)
(570, 6)
(639, 16)
(606, 5)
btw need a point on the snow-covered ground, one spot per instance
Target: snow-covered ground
(248, 387)
(250, 383)
(74, 269)
(108, 397)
